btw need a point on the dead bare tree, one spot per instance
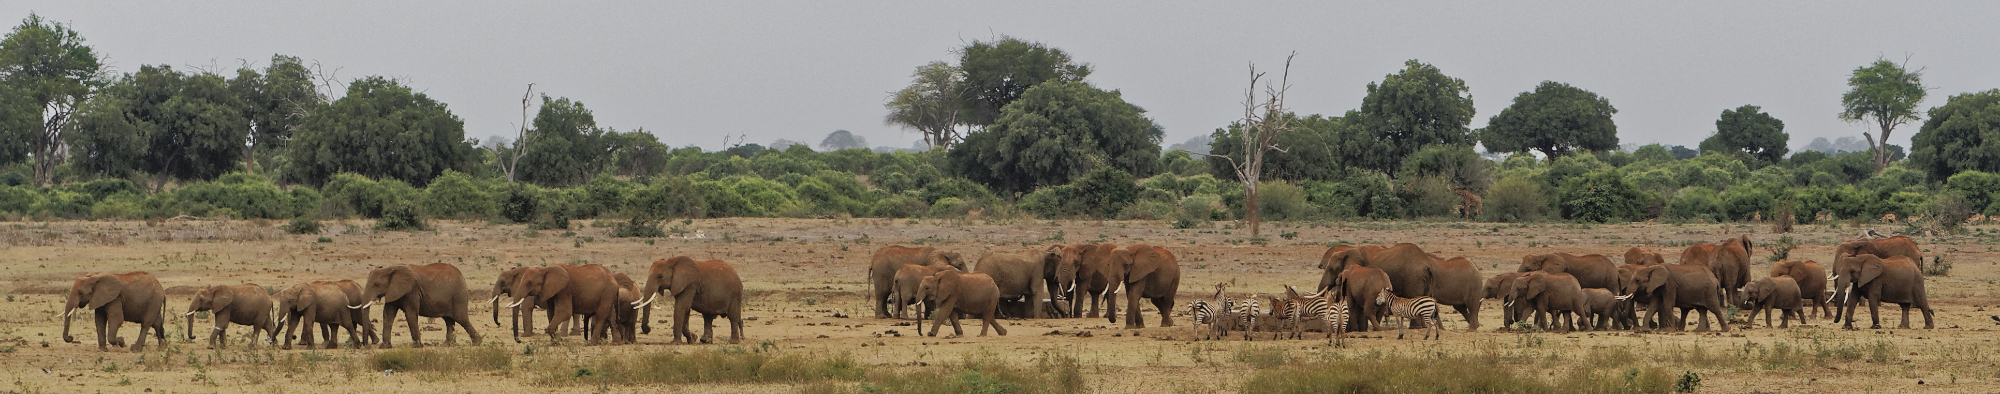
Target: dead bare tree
(1263, 120)
(511, 157)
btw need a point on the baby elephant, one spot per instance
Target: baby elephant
(1778, 292)
(248, 305)
(956, 293)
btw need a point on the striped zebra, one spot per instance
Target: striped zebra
(1246, 312)
(1213, 314)
(1422, 308)
(1321, 305)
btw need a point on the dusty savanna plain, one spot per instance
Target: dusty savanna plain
(810, 326)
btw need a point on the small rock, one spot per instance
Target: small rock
(1054, 332)
(824, 336)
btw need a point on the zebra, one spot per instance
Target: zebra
(1321, 305)
(1422, 308)
(1247, 313)
(1213, 314)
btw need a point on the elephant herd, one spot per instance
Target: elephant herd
(608, 305)
(1033, 283)
(1561, 291)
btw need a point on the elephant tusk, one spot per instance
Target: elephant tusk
(1623, 297)
(190, 313)
(363, 306)
(218, 329)
(495, 300)
(648, 301)
(517, 303)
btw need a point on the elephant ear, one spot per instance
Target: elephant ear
(1870, 270)
(1653, 277)
(307, 298)
(1140, 263)
(554, 281)
(401, 282)
(686, 274)
(221, 299)
(108, 288)
(947, 286)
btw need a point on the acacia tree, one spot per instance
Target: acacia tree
(49, 64)
(1886, 94)
(1555, 119)
(380, 129)
(1962, 135)
(1055, 133)
(1747, 130)
(1263, 121)
(929, 105)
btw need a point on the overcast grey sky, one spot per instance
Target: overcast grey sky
(692, 72)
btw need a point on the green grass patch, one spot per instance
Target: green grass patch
(456, 359)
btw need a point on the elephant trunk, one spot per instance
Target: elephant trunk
(496, 311)
(66, 321)
(190, 325)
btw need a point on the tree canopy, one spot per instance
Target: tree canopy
(380, 129)
(842, 139)
(275, 100)
(930, 104)
(999, 72)
(48, 63)
(1055, 133)
(1555, 118)
(566, 147)
(1408, 110)
(1886, 94)
(1962, 135)
(1747, 130)
(188, 126)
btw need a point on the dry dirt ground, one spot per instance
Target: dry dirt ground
(805, 285)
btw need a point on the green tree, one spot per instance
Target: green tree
(1416, 107)
(637, 153)
(566, 147)
(19, 124)
(380, 129)
(48, 63)
(275, 100)
(1886, 94)
(1055, 133)
(1962, 135)
(930, 105)
(1749, 131)
(999, 72)
(1555, 119)
(176, 125)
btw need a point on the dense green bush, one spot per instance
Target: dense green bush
(1515, 199)
(518, 203)
(1696, 203)
(303, 225)
(901, 206)
(455, 195)
(603, 196)
(350, 194)
(124, 205)
(245, 195)
(1979, 189)
(63, 204)
(402, 215)
(18, 199)
(1602, 196)
(667, 198)
(1283, 201)
(1428, 196)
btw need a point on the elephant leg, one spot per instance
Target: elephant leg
(1874, 310)
(1470, 312)
(389, 326)
(1906, 317)
(1166, 307)
(1094, 299)
(881, 299)
(560, 317)
(957, 331)
(1132, 293)
(681, 334)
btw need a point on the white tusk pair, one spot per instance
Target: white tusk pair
(648, 301)
(363, 306)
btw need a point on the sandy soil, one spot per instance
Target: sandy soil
(806, 285)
